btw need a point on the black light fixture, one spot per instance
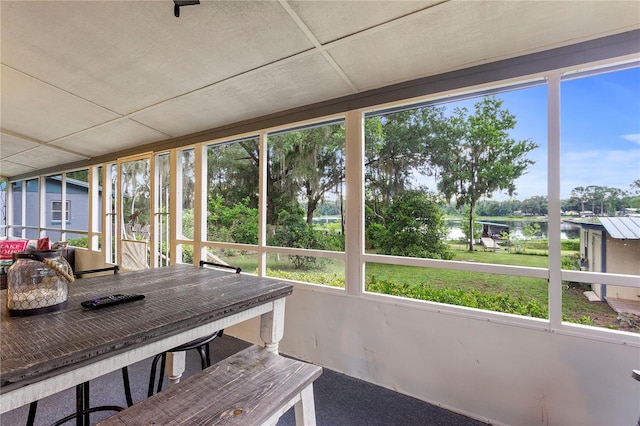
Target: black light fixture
(178, 3)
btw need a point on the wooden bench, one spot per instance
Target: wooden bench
(252, 387)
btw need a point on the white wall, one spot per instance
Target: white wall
(623, 257)
(505, 374)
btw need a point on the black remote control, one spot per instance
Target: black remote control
(114, 299)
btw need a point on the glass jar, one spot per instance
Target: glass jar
(38, 282)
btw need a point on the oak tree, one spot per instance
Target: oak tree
(479, 156)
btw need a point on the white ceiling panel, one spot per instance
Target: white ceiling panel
(276, 88)
(45, 156)
(455, 35)
(330, 21)
(40, 111)
(117, 135)
(11, 145)
(12, 161)
(129, 55)
(9, 168)
(42, 157)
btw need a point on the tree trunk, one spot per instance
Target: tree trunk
(471, 230)
(311, 208)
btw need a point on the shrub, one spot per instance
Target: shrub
(570, 245)
(415, 227)
(374, 236)
(329, 279)
(237, 223)
(471, 298)
(79, 242)
(293, 231)
(571, 262)
(187, 254)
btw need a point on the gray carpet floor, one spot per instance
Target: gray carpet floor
(340, 400)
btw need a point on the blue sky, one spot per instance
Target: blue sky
(600, 132)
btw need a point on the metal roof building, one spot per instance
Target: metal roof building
(622, 228)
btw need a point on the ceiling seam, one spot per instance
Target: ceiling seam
(39, 143)
(62, 90)
(17, 164)
(106, 123)
(318, 46)
(384, 25)
(82, 156)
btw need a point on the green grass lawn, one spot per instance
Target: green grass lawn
(576, 307)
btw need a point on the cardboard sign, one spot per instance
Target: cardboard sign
(8, 247)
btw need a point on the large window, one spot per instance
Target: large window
(600, 190)
(162, 209)
(95, 218)
(77, 199)
(461, 180)
(304, 209)
(186, 196)
(446, 180)
(15, 209)
(135, 213)
(56, 208)
(232, 201)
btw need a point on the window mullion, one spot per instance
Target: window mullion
(553, 191)
(262, 205)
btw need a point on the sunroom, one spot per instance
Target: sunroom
(234, 133)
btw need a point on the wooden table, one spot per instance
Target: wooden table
(44, 354)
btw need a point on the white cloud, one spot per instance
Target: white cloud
(632, 137)
(586, 155)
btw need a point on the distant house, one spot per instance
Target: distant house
(612, 245)
(74, 212)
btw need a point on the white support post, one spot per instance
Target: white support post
(199, 204)
(174, 253)
(553, 189)
(262, 219)
(354, 216)
(272, 326)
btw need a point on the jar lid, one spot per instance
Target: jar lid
(37, 254)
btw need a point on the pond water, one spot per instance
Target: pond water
(567, 230)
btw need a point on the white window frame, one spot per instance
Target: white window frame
(66, 211)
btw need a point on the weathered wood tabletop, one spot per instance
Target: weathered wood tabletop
(177, 298)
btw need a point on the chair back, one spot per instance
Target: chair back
(220, 265)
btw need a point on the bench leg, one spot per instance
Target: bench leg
(272, 326)
(175, 365)
(305, 409)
